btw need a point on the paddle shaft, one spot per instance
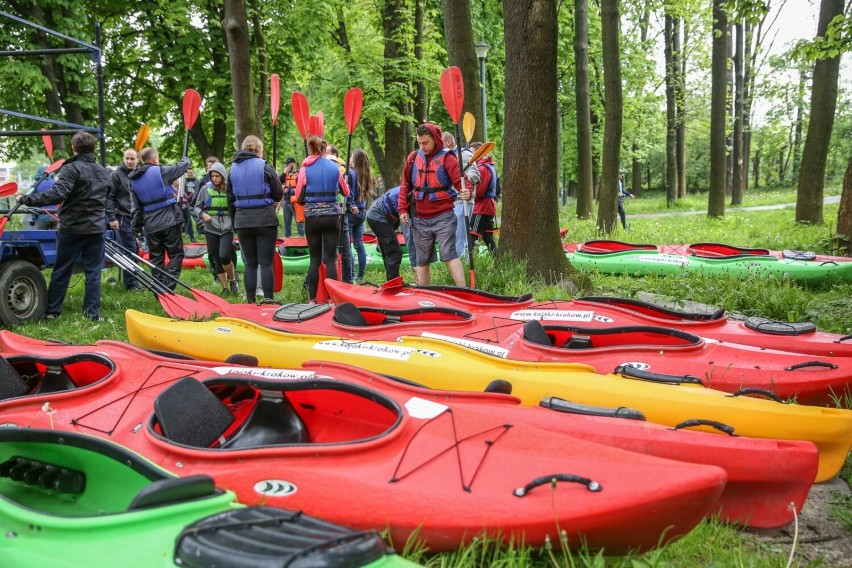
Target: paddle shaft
(148, 264)
(468, 210)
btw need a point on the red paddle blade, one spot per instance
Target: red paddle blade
(313, 125)
(320, 123)
(301, 112)
(275, 97)
(8, 189)
(452, 92)
(322, 291)
(54, 166)
(191, 106)
(277, 271)
(214, 302)
(48, 144)
(392, 284)
(352, 105)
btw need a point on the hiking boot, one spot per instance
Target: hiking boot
(235, 289)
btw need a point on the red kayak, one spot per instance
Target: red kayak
(706, 250)
(353, 447)
(193, 255)
(601, 311)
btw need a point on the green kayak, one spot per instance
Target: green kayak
(613, 257)
(68, 499)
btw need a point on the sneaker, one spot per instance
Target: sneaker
(235, 289)
(51, 316)
(97, 319)
(270, 301)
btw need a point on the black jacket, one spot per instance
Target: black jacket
(81, 188)
(164, 218)
(118, 197)
(262, 216)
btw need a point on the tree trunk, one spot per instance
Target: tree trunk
(729, 157)
(235, 24)
(585, 191)
(636, 166)
(756, 161)
(680, 98)
(458, 32)
(718, 105)
(800, 118)
(530, 229)
(736, 184)
(420, 103)
(671, 111)
(748, 82)
(823, 103)
(607, 212)
(258, 46)
(843, 237)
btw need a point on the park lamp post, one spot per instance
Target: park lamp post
(481, 52)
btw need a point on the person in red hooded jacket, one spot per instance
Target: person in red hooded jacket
(430, 182)
(485, 203)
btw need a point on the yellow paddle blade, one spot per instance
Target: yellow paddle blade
(142, 137)
(468, 125)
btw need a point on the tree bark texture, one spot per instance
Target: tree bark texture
(458, 31)
(235, 24)
(671, 111)
(585, 192)
(530, 228)
(823, 103)
(718, 106)
(844, 214)
(611, 159)
(680, 98)
(737, 151)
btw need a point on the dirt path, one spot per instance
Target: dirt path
(827, 200)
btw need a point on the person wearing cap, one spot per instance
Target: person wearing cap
(212, 208)
(288, 182)
(431, 180)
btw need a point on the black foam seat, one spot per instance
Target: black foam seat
(348, 314)
(189, 413)
(175, 490)
(11, 383)
(579, 342)
(534, 332)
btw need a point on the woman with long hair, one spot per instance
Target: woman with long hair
(317, 187)
(253, 191)
(360, 183)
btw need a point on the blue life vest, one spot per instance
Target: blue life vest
(249, 183)
(491, 191)
(429, 176)
(45, 185)
(390, 201)
(321, 182)
(151, 191)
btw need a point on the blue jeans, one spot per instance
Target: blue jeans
(357, 231)
(90, 250)
(125, 238)
(461, 231)
(405, 229)
(289, 217)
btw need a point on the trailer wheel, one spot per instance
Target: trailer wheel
(23, 293)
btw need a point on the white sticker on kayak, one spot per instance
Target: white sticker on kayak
(664, 259)
(426, 303)
(635, 365)
(477, 345)
(275, 488)
(283, 374)
(221, 329)
(367, 349)
(553, 315)
(424, 409)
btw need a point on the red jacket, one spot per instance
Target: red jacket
(484, 205)
(426, 207)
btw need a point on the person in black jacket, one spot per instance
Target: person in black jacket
(155, 208)
(81, 187)
(118, 211)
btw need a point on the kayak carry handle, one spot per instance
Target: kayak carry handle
(755, 390)
(634, 373)
(729, 430)
(844, 338)
(562, 405)
(807, 364)
(591, 485)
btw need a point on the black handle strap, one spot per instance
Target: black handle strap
(754, 390)
(633, 373)
(807, 364)
(729, 430)
(593, 486)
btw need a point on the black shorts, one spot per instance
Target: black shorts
(482, 224)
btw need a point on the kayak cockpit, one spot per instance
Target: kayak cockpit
(654, 310)
(233, 413)
(566, 337)
(347, 314)
(27, 375)
(716, 250)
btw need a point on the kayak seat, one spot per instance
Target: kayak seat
(12, 385)
(174, 490)
(189, 413)
(579, 342)
(534, 332)
(348, 314)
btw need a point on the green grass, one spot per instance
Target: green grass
(711, 544)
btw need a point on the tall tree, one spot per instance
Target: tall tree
(739, 85)
(611, 159)
(585, 194)
(843, 237)
(459, 35)
(823, 103)
(235, 24)
(670, 31)
(680, 98)
(718, 105)
(530, 228)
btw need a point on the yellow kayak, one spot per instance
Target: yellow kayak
(443, 365)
